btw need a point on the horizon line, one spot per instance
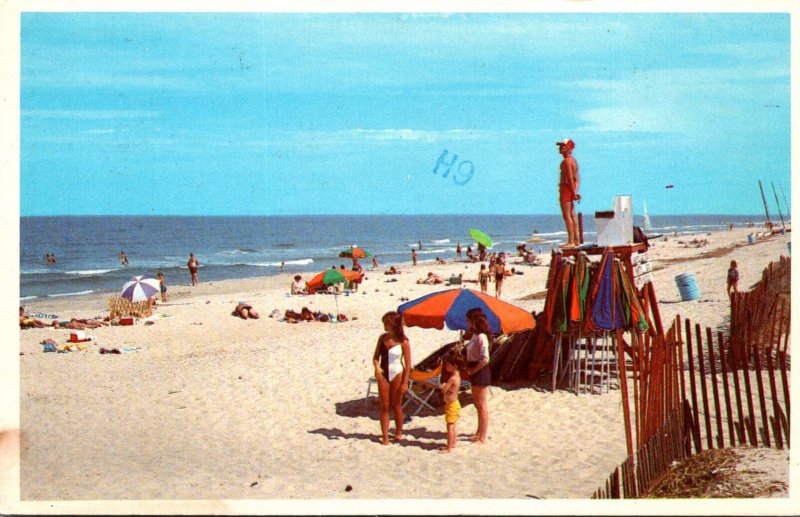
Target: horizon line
(374, 215)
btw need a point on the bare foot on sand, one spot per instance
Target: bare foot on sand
(444, 450)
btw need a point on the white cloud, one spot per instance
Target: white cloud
(414, 135)
(634, 119)
(679, 100)
(88, 114)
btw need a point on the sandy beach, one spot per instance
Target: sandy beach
(214, 407)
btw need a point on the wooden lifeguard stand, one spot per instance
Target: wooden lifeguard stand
(594, 361)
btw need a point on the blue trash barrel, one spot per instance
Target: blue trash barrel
(687, 287)
(751, 239)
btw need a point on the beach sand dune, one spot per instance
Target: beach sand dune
(215, 407)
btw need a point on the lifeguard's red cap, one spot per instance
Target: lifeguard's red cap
(566, 142)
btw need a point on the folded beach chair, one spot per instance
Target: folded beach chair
(421, 387)
(423, 381)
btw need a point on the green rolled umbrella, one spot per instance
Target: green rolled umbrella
(480, 237)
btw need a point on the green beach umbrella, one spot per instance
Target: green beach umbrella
(480, 237)
(355, 252)
(332, 276)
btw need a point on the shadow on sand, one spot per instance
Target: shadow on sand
(411, 437)
(370, 408)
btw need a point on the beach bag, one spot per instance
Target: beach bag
(77, 335)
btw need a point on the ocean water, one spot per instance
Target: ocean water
(87, 248)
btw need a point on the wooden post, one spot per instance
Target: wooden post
(717, 406)
(615, 493)
(638, 391)
(706, 408)
(751, 428)
(773, 390)
(656, 313)
(580, 226)
(728, 409)
(761, 399)
(623, 381)
(698, 446)
(679, 337)
(785, 382)
(738, 392)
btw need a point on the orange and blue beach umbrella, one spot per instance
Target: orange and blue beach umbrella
(450, 308)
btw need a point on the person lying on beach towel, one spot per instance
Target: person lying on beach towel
(432, 279)
(245, 311)
(78, 324)
(27, 322)
(305, 314)
(391, 271)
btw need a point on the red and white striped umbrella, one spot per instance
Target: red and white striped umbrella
(141, 288)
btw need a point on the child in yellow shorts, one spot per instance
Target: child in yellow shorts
(451, 364)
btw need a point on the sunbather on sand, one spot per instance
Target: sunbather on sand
(245, 311)
(78, 324)
(297, 287)
(26, 322)
(306, 314)
(431, 279)
(391, 271)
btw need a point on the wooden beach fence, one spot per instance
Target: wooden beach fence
(730, 391)
(118, 306)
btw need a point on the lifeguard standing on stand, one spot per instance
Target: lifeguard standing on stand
(568, 191)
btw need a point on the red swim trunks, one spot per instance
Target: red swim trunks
(565, 194)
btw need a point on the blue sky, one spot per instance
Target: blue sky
(274, 114)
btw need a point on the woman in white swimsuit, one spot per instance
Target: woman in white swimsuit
(392, 360)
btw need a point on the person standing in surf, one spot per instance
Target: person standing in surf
(192, 264)
(568, 191)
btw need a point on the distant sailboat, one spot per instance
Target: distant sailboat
(647, 225)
